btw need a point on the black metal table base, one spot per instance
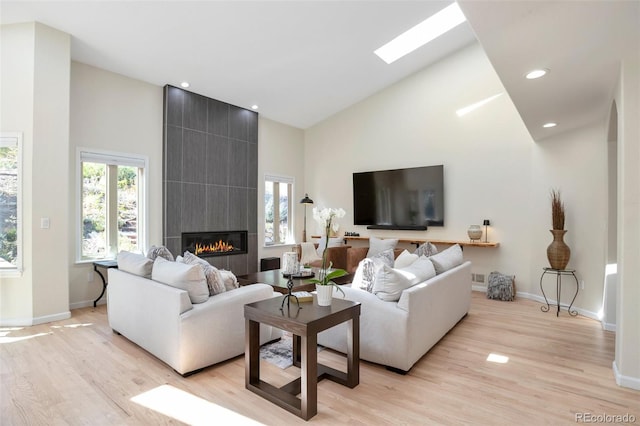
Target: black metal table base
(559, 273)
(106, 264)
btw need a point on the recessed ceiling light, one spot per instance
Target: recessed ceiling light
(531, 75)
(254, 106)
(548, 125)
(185, 84)
(429, 29)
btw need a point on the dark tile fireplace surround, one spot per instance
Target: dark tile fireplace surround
(210, 176)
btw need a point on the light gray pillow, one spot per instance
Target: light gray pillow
(161, 251)
(426, 249)
(389, 282)
(365, 275)
(215, 279)
(180, 275)
(376, 245)
(447, 259)
(229, 279)
(405, 259)
(386, 257)
(135, 263)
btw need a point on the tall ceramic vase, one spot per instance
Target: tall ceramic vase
(558, 252)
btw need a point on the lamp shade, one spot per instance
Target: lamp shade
(306, 200)
(486, 222)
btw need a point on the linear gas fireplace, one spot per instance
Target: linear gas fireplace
(218, 243)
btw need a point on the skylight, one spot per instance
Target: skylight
(429, 29)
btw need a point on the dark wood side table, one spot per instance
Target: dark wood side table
(105, 264)
(304, 322)
(559, 273)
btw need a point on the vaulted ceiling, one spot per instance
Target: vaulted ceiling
(303, 61)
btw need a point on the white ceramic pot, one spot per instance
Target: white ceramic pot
(324, 294)
(474, 232)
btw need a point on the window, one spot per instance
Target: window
(10, 199)
(111, 204)
(278, 224)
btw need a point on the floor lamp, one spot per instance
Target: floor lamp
(306, 200)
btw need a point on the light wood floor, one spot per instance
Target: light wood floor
(77, 372)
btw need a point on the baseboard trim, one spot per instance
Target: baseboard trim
(540, 299)
(28, 322)
(625, 381)
(608, 326)
(86, 304)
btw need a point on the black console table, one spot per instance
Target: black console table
(106, 264)
(559, 273)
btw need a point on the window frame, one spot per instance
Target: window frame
(118, 159)
(291, 210)
(16, 139)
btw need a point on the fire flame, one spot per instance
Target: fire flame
(218, 247)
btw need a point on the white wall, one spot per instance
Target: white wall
(493, 169)
(35, 101)
(111, 112)
(627, 98)
(280, 152)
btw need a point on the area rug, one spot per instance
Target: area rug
(280, 353)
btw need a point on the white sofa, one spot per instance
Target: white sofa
(398, 334)
(188, 337)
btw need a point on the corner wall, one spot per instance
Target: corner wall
(493, 170)
(35, 101)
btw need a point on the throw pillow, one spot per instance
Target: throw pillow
(390, 283)
(426, 249)
(447, 259)
(191, 259)
(180, 275)
(161, 251)
(376, 245)
(229, 279)
(215, 280)
(386, 257)
(135, 263)
(365, 275)
(405, 259)
(419, 271)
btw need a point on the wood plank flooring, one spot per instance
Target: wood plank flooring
(78, 372)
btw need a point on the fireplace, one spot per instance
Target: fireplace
(218, 243)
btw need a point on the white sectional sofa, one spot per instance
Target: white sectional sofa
(187, 336)
(398, 334)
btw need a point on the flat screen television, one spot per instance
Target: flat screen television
(409, 199)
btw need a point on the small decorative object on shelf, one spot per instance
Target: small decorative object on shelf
(474, 232)
(486, 224)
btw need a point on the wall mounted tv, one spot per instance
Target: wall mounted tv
(408, 199)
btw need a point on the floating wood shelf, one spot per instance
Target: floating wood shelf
(417, 241)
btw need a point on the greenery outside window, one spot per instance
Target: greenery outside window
(112, 204)
(278, 224)
(10, 203)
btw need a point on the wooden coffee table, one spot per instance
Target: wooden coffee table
(304, 322)
(279, 283)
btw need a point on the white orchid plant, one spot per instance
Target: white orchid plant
(325, 217)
